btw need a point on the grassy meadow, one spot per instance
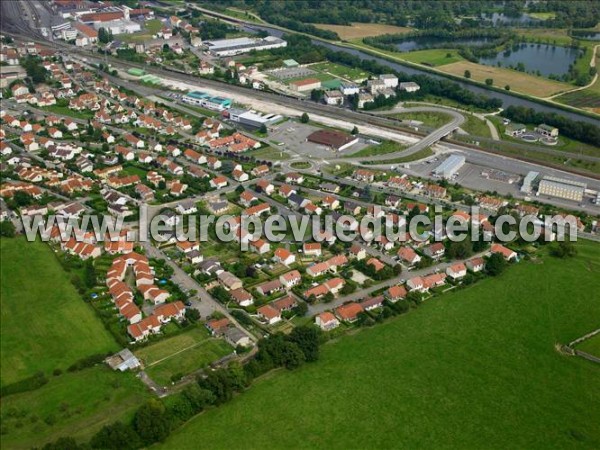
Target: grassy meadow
(45, 323)
(181, 354)
(476, 368)
(73, 404)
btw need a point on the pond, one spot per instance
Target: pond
(589, 35)
(547, 59)
(425, 42)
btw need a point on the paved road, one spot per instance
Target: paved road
(363, 293)
(203, 301)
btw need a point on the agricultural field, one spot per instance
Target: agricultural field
(181, 354)
(38, 302)
(477, 368)
(518, 81)
(361, 30)
(433, 57)
(74, 404)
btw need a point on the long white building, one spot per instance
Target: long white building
(231, 47)
(561, 188)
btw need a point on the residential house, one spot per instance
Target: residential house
(284, 256)
(270, 287)
(395, 293)
(349, 312)
(435, 250)
(241, 296)
(312, 249)
(408, 256)
(290, 279)
(229, 281)
(506, 252)
(327, 321)
(457, 271)
(269, 314)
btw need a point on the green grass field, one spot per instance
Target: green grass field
(421, 154)
(433, 57)
(591, 345)
(346, 72)
(181, 354)
(429, 119)
(476, 368)
(475, 126)
(45, 323)
(73, 404)
(65, 111)
(382, 149)
(151, 27)
(269, 153)
(300, 165)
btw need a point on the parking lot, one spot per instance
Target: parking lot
(471, 176)
(293, 136)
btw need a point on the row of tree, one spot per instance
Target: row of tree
(156, 419)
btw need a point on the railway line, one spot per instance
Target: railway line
(425, 140)
(19, 28)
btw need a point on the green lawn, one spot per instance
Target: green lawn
(45, 323)
(346, 72)
(591, 345)
(65, 111)
(381, 149)
(166, 347)
(151, 27)
(432, 57)
(475, 126)
(300, 165)
(473, 369)
(73, 404)
(269, 153)
(182, 354)
(189, 360)
(429, 119)
(426, 152)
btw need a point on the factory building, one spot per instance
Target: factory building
(119, 26)
(561, 188)
(237, 46)
(334, 139)
(251, 118)
(449, 167)
(205, 100)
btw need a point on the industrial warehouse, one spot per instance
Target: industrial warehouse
(561, 188)
(251, 118)
(449, 167)
(205, 100)
(333, 139)
(237, 46)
